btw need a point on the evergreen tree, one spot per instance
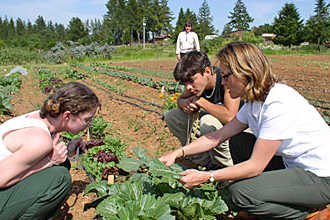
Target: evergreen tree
(226, 30)
(76, 29)
(239, 18)
(317, 29)
(11, 29)
(60, 32)
(265, 28)
(165, 17)
(40, 25)
(288, 26)
(133, 19)
(205, 20)
(4, 31)
(116, 20)
(20, 27)
(29, 27)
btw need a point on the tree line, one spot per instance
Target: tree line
(125, 20)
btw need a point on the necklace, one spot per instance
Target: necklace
(209, 96)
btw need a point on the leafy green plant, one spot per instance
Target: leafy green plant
(8, 86)
(99, 126)
(156, 194)
(5, 105)
(94, 166)
(91, 163)
(48, 81)
(74, 74)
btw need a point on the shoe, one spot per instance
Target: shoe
(321, 214)
(245, 216)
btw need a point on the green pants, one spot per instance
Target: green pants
(37, 196)
(219, 157)
(281, 194)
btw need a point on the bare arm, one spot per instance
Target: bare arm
(224, 113)
(263, 152)
(34, 155)
(205, 142)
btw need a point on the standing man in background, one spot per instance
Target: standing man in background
(187, 41)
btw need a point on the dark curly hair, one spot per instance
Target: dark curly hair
(190, 64)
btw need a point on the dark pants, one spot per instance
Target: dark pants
(278, 193)
(281, 194)
(241, 147)
(37, 196)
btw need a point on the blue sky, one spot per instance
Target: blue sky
(61, 11)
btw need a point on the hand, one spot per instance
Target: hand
(194, 177)
(59, 152)
(178, 57)
(189, 105)
(169, 158)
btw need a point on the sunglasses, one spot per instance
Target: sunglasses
(226, 76)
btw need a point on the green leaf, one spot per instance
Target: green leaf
(101, 188)
(129, 164)
(140, 153)
(108, 207)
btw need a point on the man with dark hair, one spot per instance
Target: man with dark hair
(204, 106)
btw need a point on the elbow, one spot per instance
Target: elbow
(255, 169)
(3, 184)
(228, 119)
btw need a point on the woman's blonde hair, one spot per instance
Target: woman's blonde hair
(249, 64)
(74, 97)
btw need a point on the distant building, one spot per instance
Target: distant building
(304, 44)
(236, 35)
(162, 37)
(211, 36)
(268, 36)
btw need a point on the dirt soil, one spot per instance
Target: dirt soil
(139, 123)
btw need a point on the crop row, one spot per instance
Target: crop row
(169, 86)
(8, 86)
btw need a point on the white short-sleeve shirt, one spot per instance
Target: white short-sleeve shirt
(286, 115)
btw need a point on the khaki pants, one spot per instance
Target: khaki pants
(219, 157)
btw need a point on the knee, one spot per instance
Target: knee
(169, 116)
(174, 116)
(241, 196)
(62, 177)
(209, 123)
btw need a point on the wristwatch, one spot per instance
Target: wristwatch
(211, 179)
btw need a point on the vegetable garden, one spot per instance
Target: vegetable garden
(115, 172)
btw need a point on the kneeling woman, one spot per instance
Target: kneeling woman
(33, 180)
(284, 124)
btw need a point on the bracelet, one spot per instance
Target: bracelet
(211, 179)
(182, 152)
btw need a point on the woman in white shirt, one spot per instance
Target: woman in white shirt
(284, 124)
(187, 41)
(35, 176)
